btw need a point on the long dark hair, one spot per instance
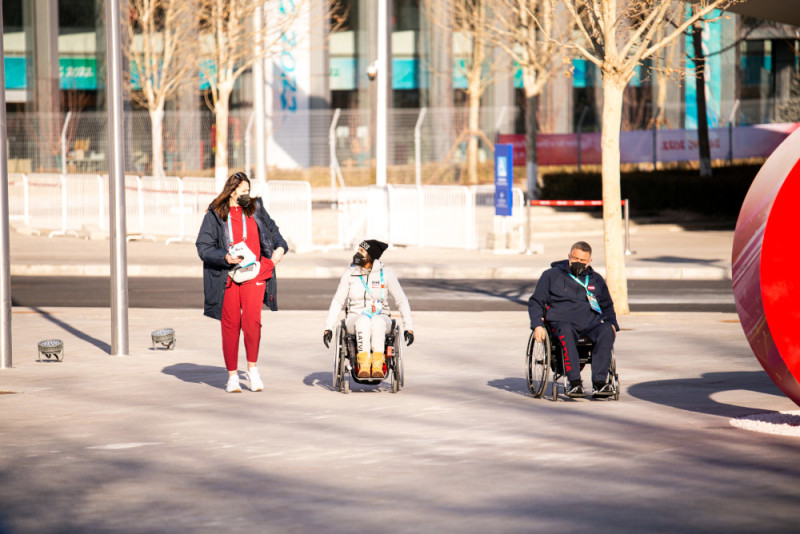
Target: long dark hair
(220, 205)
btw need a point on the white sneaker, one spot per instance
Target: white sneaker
(256, 384)
(233, 385)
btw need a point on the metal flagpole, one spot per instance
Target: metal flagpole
(384, 78)
(5, 262)
(260, 173)
(116, 184)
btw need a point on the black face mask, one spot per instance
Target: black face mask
(243, 200)
(577, 268)
(358, 258)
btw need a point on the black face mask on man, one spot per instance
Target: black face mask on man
(243, 200)
(358, 259)
(577, 268)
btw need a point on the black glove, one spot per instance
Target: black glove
(327, 337)
(409, 337)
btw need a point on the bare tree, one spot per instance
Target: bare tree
(472, 25)
(704, 145)
(618, 35)
(162, 44)
(526, 30)
(236, 44)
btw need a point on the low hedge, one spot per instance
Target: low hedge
(651, 192)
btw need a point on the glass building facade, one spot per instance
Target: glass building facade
(54, 57)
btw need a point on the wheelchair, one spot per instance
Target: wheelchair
(546, 357)
(345, 364)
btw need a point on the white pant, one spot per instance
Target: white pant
(370, 332)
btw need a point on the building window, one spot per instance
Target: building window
(406, 15)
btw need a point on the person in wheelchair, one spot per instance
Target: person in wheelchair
(576, 302)
(363, 292)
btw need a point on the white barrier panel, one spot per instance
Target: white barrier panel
(86, 203)
(134, 206)
(161, 205)
(486, 222)
(483, 199)
(518, 216)
(363, 214)
(45, 201)
(289, 205)
(197, 196)
(429, 216)
(405, 215)
(18, 198)
(448, 217)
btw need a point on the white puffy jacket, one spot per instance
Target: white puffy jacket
(354, 295)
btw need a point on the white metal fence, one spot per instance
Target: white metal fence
(165, 207)
(428, 216)
(172, 209)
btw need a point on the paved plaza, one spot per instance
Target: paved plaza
(152, 443)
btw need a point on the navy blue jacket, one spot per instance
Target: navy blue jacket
(212, 247)
(564, 299)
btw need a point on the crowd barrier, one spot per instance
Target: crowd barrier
(164, 207)
(172, 209)
(427, 216)
(626, 213)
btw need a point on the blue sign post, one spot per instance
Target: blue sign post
(503, 179)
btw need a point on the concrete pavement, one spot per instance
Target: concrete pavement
(151, 442)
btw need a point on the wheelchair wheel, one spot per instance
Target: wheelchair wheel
(397, 364)
(337, 360)
(340, 378)
(345, 382)
(538, 365)
(613, 377)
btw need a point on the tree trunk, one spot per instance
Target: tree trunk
(222, 114)
(700, 95)
(531, 157)
(612, 212)
(157, 141)
(474, 126)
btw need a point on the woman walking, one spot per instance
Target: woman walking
(240, 245)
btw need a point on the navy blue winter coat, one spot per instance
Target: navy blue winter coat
(212, 246)
(564, 299)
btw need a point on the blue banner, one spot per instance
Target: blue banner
(503, 179)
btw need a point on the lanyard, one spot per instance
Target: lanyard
(589, 295)
(244, 229)
(585, 284)
(383, 296)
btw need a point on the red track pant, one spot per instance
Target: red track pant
(241, 311)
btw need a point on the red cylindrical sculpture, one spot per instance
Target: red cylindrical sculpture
(766, 284)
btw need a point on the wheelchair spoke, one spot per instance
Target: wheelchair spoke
(538, 365)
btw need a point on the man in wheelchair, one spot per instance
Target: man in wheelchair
(363, 292)
(576, 302)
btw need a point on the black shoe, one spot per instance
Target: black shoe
(575, 390)
(602, 390)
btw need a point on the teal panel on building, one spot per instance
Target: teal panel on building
(345, 72)
(78, 73)
(15, 72)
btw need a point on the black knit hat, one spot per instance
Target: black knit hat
(373, 247)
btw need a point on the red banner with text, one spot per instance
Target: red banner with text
(646, 146)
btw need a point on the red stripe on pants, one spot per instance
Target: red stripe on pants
(567, 366)
(241, 311)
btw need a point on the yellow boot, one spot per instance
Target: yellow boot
(377, 365)
(363, 364)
